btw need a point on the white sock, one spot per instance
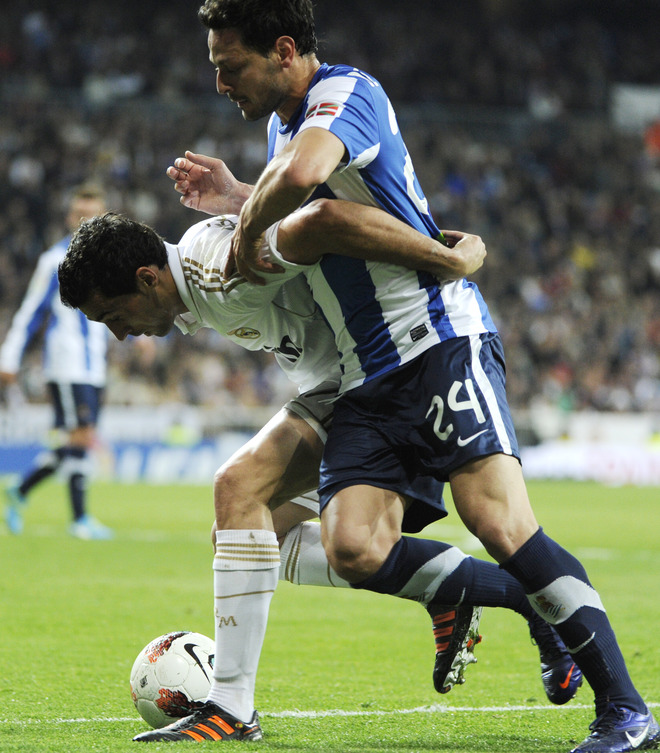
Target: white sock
(303, 560)
(246, 566)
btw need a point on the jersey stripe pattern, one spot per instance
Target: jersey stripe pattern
(75, 349)
(382, 315)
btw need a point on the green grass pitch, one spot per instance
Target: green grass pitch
(340, 670)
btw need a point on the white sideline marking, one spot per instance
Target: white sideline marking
(434, 709)
(297, 714)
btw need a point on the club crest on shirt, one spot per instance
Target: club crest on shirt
(245, 333)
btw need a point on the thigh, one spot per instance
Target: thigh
(464, 411)
(362, 449)
(359, 527)
(491, 498)
(279, 463)
(76, 406)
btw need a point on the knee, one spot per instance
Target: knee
(501, 538)
(237, 502)
(227, 483)
(354, 559)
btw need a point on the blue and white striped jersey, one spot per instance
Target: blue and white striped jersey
(75, 349)
(381, 315)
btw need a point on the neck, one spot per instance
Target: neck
(172, 299)
(306, 68)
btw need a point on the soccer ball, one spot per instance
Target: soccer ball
(171, 676)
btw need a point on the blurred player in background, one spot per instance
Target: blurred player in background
(74, 363)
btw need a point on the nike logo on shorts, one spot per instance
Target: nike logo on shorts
(462, 442)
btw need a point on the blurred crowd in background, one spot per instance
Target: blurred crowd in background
(505, 108)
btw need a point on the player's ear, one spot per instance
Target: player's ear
(285, 48)
(146, 277)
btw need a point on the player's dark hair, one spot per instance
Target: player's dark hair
(103, 256)
(261, 22)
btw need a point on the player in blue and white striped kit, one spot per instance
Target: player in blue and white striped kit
(74, 363)
(423, 368)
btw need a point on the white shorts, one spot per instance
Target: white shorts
(316, 406)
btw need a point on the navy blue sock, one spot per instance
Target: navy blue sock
(35, 477)
(75, 458)
(77, 492)
(47, 463)
(559, 590)
(436, 573)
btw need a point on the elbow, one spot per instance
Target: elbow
(302, 177)
(320, 218)
(323, 214)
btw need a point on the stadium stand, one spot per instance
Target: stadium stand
(507, 112)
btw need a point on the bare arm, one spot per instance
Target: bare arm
(286, 183)
(326, 226)
(348, 229)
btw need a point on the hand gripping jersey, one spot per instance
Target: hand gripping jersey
(74, 348)
(382, 315)
(280, 317)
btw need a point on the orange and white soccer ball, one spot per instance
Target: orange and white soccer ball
(171, 676)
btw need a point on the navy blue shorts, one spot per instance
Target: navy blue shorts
(410, 428)
(76, 405)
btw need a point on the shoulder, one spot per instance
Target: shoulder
(344, 91)
(347, 71)
(207, 229)
(204, 246)
(57, 250)
(49, 260)
(344, 78)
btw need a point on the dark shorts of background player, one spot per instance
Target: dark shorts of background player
(422, 421)
(76, 405)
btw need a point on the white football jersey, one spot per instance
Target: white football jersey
(280, 317)
(75, 349)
